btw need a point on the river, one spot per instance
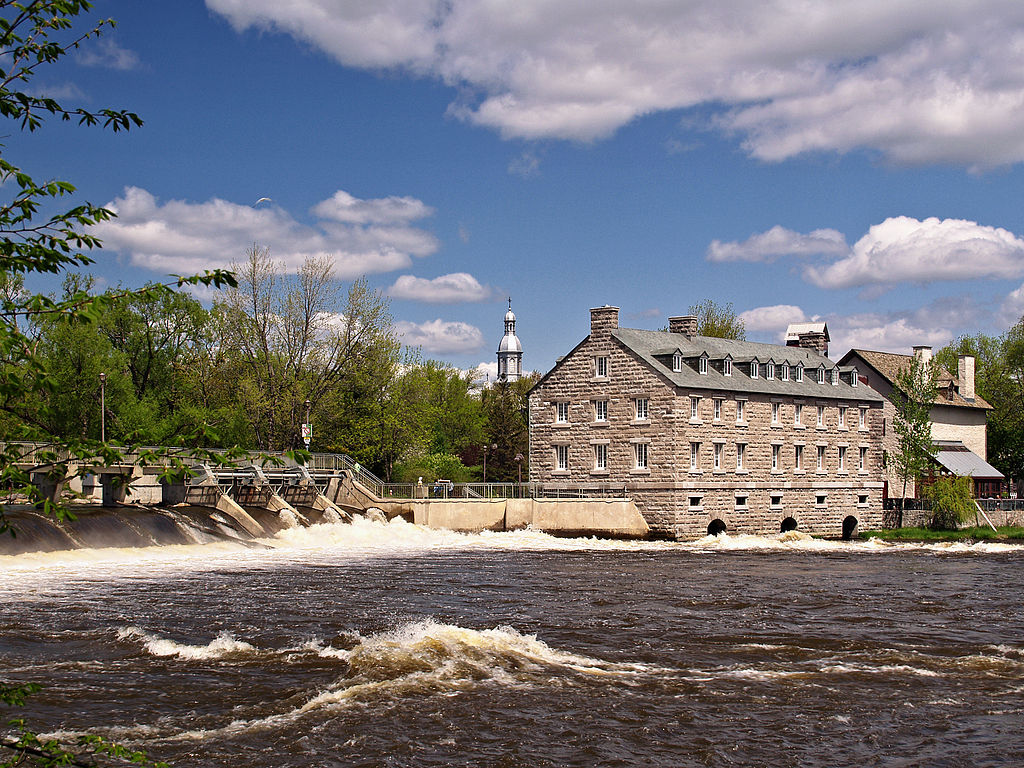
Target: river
(393, 645)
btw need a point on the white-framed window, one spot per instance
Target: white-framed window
(718, 455)
(600, 410)
(727, 367)
(842, 415)
(601, 456)
(835, 376)
(769, 371)
(785, 371)
(741, 500)
(821, 374)
(640, 455)
(853, 377)
(776, 500)
(741, 411)
(601, 367)
(702, 366)
(755, 369)
(862, 422)
(842, 458)
(863, 458)
(694, 456)
(798, 414)
(562, 412)
(694, 408)
(776, 457)
(561, 457)
(799, 372)
(741, 450)
(641, 410)
(718, 409)
(677, 362)
(821, 458)
(776, 412)
(798, 457)
(821, 415)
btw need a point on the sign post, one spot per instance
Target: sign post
(307, 434)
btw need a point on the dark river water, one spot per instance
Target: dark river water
(382, 645)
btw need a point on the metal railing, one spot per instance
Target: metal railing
(478, 491)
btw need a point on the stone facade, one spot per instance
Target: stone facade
(695, 446)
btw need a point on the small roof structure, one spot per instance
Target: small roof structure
(795, 329)
(963, 462)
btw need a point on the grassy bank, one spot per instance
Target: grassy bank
(1008, 533)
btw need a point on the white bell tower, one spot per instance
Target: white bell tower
(510, 351)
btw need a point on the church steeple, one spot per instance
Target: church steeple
(510, 351)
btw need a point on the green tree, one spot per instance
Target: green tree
(296, 337)
(913, 397)
(506, 405)
(952, 502)
(719, 320)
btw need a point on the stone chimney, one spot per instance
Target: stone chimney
(965, 373)
(685, 324)
(604, 319)
(923, 353)
(814, 340)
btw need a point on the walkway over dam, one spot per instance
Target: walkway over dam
(258, 494)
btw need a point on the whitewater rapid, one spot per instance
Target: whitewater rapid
(363, 539)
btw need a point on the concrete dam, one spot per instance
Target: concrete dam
(130, 505)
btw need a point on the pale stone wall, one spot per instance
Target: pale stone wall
(964, 424)
(665, 490)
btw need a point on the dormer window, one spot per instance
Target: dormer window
(702, 366)
(785, 371)
(754, 369)
(835, 376)
(821, 374)
(769, 371)
(677, 362)
(799, 372)
(853, 378)
(727, 367)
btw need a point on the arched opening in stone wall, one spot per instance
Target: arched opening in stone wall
(789, 524)
(849, 527)
(717, 527)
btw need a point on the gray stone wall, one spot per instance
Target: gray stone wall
(742, 497)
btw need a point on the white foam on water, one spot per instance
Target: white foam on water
(223, 645)
(430, 658)
(25, 575)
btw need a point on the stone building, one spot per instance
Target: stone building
(958, 418)
(709, 434)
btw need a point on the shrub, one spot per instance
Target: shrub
(434, 466)
(951, 500)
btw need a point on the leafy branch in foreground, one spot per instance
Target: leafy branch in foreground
(34, 34)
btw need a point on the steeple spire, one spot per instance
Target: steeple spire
(510, 351)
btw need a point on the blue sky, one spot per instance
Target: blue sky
(857, 162)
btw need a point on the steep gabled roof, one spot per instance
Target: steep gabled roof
(647, 344)
(889, 365)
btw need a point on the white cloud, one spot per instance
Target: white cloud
(904, 249)
(779, 241)
(775, 318)
(343, 207)
(108, 54)
(455, 288)
(1012, 308)
(184, 237)
(899, 250)
(919, 83)
(885, 333)
(441, 336)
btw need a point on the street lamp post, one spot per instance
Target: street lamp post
(485, 464)
(519, 466)
(103, 407)
(308, 436)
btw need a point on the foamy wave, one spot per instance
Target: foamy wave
(432, 658)
(222, 645)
